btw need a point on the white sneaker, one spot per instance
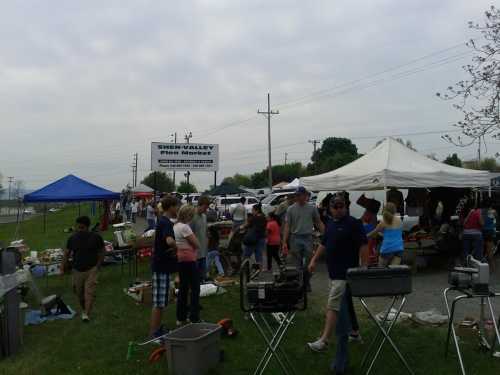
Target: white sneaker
(85, 318)
(318, 345)
(180, 323)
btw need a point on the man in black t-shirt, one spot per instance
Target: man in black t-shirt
(87, 251)
(163, 262)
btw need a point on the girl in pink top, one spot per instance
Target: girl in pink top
(273, 241)
(187, 246)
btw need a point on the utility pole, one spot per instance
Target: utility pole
(286, 157)
(479, 150)
(11, 179)
(134, 170)
(268, 114)
(314, 143)
(175, 142)
(187, 137)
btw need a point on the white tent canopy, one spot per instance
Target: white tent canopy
(141, 188)
(292, 185)
(393, 164)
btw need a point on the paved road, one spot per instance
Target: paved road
(427, 293)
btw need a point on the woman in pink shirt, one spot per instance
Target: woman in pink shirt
(472, 237)
(187, 249)
(273, 241)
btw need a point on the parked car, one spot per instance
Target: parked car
(193, 197)
(271, 202)
(29, 211)
(251, 201)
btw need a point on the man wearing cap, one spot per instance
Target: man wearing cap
(300, 220)
(343, 241)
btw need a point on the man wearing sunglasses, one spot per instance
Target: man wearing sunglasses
(343, 241)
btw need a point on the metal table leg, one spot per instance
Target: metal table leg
(495, 326)
(377, 337)
(289, 316)
(273, 340)
(385, 332)
(451, 315)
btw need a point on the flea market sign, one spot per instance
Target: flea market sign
(184, 157)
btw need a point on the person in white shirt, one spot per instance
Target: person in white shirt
(239, 214)
(135, 209)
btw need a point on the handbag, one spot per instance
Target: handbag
(250, 238)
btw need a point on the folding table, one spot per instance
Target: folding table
(394, 282)
(468, 294)
(272, 330)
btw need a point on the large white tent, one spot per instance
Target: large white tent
(292, 185)
(393, 164)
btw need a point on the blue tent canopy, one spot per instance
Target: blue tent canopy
(70, 189)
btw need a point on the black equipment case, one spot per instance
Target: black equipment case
(268, 291)
(379, 281)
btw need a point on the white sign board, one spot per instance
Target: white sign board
(184, 157)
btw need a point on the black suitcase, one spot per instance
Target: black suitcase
(379, 281)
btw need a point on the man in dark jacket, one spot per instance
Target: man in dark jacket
(87, 251)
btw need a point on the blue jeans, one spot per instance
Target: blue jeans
(258, 249)
(151, 224)
(214, 257)
(342, 331)
(301, 247)
(473, 244)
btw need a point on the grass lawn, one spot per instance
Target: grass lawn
(100, 347)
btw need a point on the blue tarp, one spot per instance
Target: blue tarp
(70, 189)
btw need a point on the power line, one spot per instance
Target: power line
(397, 67)
(323, 91)
(369, 84)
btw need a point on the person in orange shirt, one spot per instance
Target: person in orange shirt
(273, 241)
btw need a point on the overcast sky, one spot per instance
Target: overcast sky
(84, 85)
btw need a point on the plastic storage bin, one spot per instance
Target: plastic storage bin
(193, 349)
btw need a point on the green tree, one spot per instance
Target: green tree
(486, 164)
(238, 180)
(453, 160)
(282, 172)
(163, 182)
(333, 153)
(186, 188)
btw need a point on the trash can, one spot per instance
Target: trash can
(193, 349)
